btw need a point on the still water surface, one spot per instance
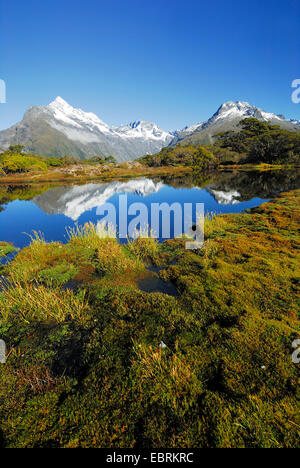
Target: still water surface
(51, 209)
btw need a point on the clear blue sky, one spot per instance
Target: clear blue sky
(172, 62)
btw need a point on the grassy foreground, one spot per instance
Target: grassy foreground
(85, 367)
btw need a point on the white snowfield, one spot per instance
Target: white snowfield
(63, 112)
(86, 126)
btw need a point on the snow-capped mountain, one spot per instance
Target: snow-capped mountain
(227, 117)
(59, 129)
(295, 122)
(186, 131)
(74, 201)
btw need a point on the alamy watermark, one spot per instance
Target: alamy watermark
(296, 93)
(2, 92)
(161, 220)
(296, 353)
(2, 352)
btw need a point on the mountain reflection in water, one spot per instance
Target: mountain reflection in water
(52, 209)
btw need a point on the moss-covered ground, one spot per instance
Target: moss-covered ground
(85, 367)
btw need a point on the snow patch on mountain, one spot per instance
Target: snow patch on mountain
(144, 130)
(228, 117)
(67, 114)
(241, 110)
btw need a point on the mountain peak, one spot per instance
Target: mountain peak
(84, 134)
(59, 102)
(241, 110)
(227, 118)
(240, 105)
(65, 114)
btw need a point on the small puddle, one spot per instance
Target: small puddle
(71, 285)
(152, 284)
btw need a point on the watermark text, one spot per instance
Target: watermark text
(2, 92)
(160, 221)
(296, 353)
(2, 352)
(296, 93)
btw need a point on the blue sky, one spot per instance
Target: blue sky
(171, 62)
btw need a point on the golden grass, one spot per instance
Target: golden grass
(89, 173)
(214, 224)
(29, 302)
(143, 246)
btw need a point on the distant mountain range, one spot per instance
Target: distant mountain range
(61, 130)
